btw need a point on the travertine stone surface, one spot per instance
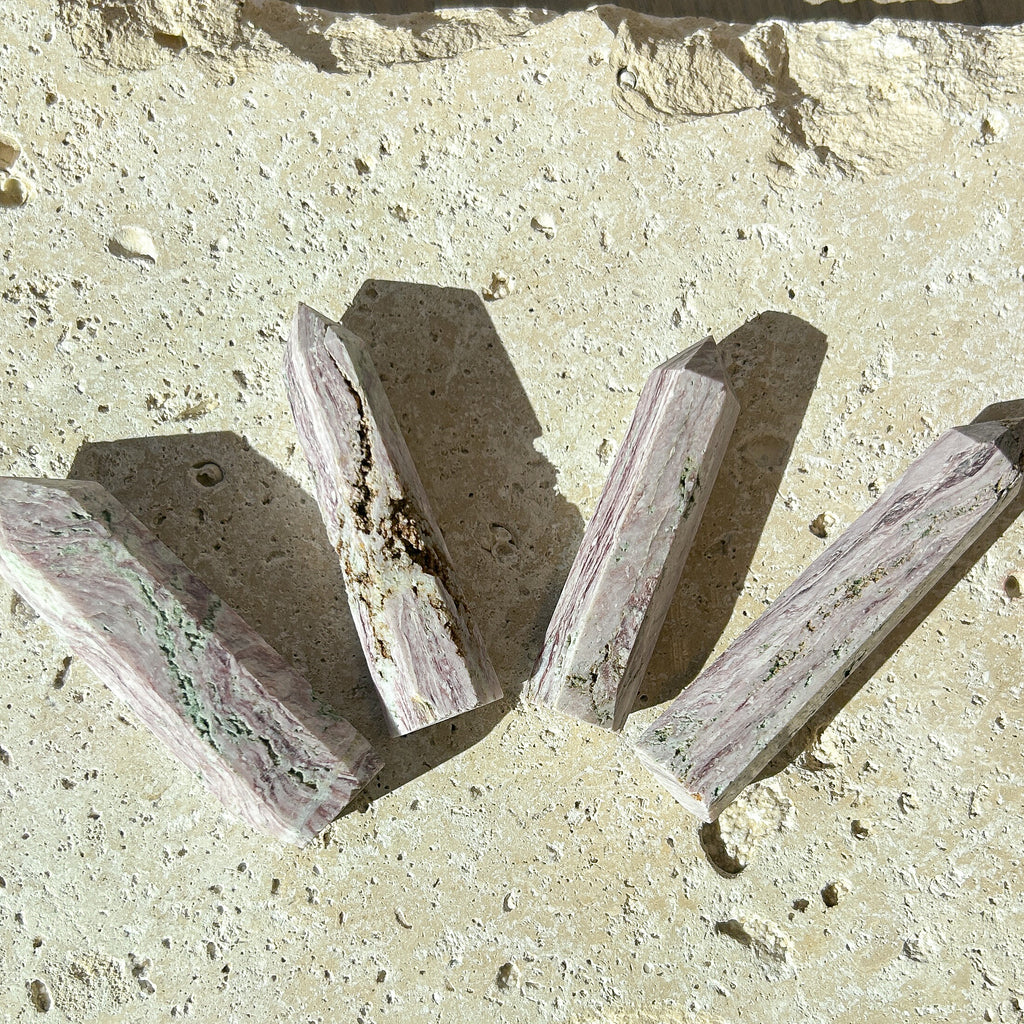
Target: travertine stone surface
(622, 581)
(888, 231)
(427, 660)
(738, 714)
(202, 681)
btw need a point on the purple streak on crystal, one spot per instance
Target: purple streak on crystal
(725, 727)
(619, 588)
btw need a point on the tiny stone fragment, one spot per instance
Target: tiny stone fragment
(501, 287)
(39, 994)
(226, 704)
(10, 150)
(427, 660)
(544, 223)
(16, 191)
(741, 711)
(822, 524)
(833, 892)
(509, 975)
(134, 243)
(618, 591)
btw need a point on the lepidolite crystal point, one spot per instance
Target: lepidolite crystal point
(427, 660)
(728, 724)
(618, 591)
(224, 702)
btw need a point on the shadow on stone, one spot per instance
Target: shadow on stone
(818, 722)
(257, 539)
(774, 361)
(471, 431)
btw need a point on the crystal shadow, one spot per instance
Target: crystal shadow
(256, 538)
(470, 428)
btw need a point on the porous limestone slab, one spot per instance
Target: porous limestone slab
(427, 660)
(715, 738)
(224, 702)
(620, 586)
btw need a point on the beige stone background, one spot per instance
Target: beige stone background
(840, 203)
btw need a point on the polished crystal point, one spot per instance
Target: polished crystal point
(619, 588)
(223, 701)
(726, 726)
(427, 660)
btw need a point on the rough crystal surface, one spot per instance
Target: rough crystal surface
(427, 660)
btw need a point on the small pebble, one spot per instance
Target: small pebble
(822, 524)
(134, 243)
(833, 892)
(545, 224)
(40, 996)
(508, 975)
(626, 79)
(16, 191)
(501, 287)
(10, 150)
(994, 126)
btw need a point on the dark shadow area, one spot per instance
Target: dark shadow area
(774, 361)
(964, 12)
(471, 430)
(885, 650)
(256, 538)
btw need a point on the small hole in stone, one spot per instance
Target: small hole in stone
(170, 40)
(208, 474)
(1011, 586)
(792, 293)
(626, 79)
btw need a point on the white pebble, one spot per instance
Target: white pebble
(17, 191)
(501, 287)
(545, 224)
(134, 243)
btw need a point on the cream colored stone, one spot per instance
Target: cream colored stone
(849, 166)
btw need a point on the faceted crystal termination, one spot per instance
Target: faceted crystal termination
(225, 703)
(427, 661)
(739, 713)
(620, 586)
